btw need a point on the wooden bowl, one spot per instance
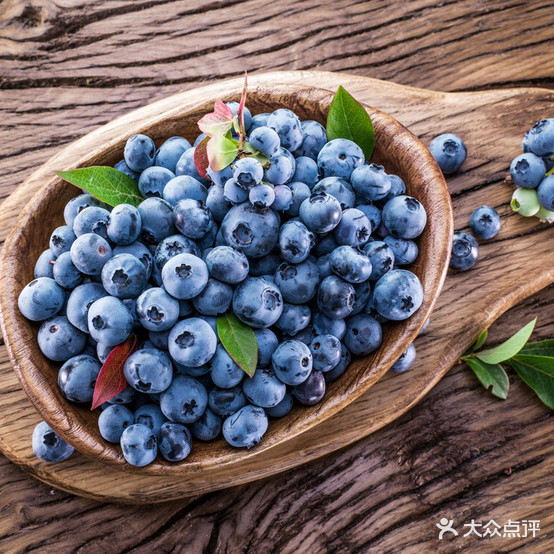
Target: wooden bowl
(396, 148)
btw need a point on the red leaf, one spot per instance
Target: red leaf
(222, 109)
(111, 379)
(201, 161)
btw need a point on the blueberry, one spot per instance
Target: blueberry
(465, 251)
(76, 205)
(247, 172)
(151, 416)
(314, 138)
(172, 246)
(306, 171)
(404, 217)
(297, 282)
(321, 212)
(257, 302)
(214, 299)
(450, 152)
(225, 402)
(184, 186)
(251, 230)
(306, 336)
(541, 138)
(339, 188)
(140, 251)
(281, 169)
(527, 170)
(246, 427)
(265, 265)
(126, 396)
(157, 219)
(485, 222)
(124, 168)
(324, 325)
(405, 361)
(327, 243)
(124, 224)
(139, 152)
(371, 183)
(124, 276)
(40, 299)
(217, 203)
(264, 389)
(350, 264)
(184, 276)
(258, 120)
(157, 310)
(58, 340)
(77, 378)
(363, 334)
(89, 253)
(227, 264)
(43, 266)
(234, 193)
(192, 218)
(354, 228)
(220, 177)
(294, 318)
(340, 368)
(287, 125)
(185, 166)
(326, 351)
(139, 445)
(381, 257)
(48, 446)
(312, 390)
(113, 421)
(102, 351)
(397, 295)
(225, 373)
(267, 343)
(170, 151)
(295, 241)
(152, 181)
(397, 188)
(65, 273)
(149, 370)
(185, 400)
(335, 297)
(283, 408)
(61, 240)
(262, 195)
(192, 342)
(545, 193)
(175, 442)
(405, 251)
(283, 198)
(362, 295)
(109, 321)
(292, 362)
(300, 191)
(208, 427)
(339, 158)
(265, 140)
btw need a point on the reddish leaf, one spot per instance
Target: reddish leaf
(222, 109)
(215, 124)
(201, 161)
(111, 379)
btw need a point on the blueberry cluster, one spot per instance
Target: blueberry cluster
(310, 250)
(534, 194)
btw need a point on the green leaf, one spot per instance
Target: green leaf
(221, 152)
(239, 341)
(508, 348)
(105, 183)
(540, 348)
(492, 377)
(538, 373)
(480, 341)
(348, 119)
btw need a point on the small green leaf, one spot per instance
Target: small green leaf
(105, 183)
(348, 119)
(540, 348)
(221, 152)
(239, 341)
(492, 377)
(508, 348)
(480, 341)
(538, 373)
(255, 154)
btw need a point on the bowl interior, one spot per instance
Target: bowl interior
(396, 148)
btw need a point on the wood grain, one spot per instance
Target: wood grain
(445, 45)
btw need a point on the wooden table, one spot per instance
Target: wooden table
(68, 67)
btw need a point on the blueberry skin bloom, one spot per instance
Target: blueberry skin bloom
(124, 276)
(354, 228)
(124, 225)
(314, 137)
(89, 253)
(48, 446)
(381, 258)
(363, 334)
(185, 400)
(465, 251)
(541, 138)
(76, 205)
(312, 390)
(370, 182)
(109, 321)
(326, 351)
(207, 427)
(184, 276)
(77, 378)
(113, 421)
(225, 373)
(404, 217)
(339, 188)
(92, 220)
(297, 282)
(40, 299)
(151, 416)
(175, 442)
(283, 408)
(321, 212)
(292, 362)
(306, 171)
(265, 140)
(350, 264)
(139, 445)
(405, 250)
(405, 361)
(156, 310)
(527, 170)
(300, 191)
(43, 267)
(214, 299)
(171, 247)
(335, 297)
(184, 186)
(149, 370)
(449, 151)
(227, 264)
(294, 318)
(192, 342)
(139, 152)
(398, 294)
(248, 172)
(339, 158)
(287, 125)
(295, 241)
(267, 343)
(58, 340)
(225, 402)
(246, 427)
(257, 302)
(153, 180)
(192, 218)
(264, 389)
(61, 240)
(140, 251)
(170, 151)
(545, 193)
(157, 219)
(485, 222)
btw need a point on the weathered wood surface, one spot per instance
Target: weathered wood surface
(492, 458)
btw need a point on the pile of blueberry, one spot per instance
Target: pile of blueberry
(310, 252)
(534, 194)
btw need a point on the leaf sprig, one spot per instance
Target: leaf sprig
(532, 361)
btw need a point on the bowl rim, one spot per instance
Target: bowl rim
(97, 143)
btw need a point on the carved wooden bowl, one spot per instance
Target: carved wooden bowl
(396, 148)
